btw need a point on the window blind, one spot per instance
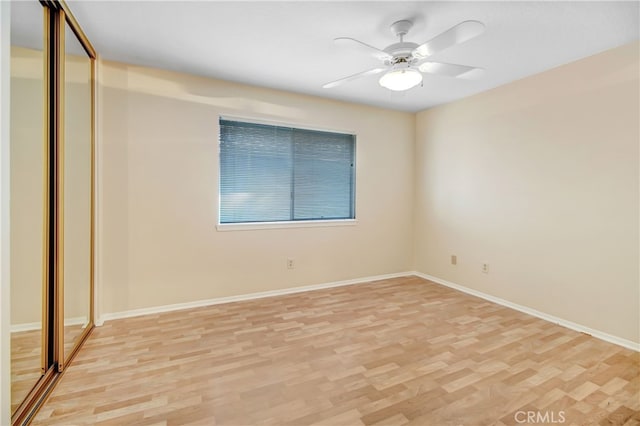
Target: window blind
(275, 173)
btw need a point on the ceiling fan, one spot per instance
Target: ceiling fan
(404, 62)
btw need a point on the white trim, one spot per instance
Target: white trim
(26, 326)
(285, 224)
(31, 326)
(83, 321)
(97, 188)
(242, 297)
(5, 249)
(271, 293)
(551, 318)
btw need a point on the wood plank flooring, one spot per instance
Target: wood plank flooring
(392, 352)
(26, 363)
(26, 359)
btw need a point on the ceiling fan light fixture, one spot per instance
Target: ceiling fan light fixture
(403, 62)
(401, 79)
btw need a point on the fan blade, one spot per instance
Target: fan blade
(451, 70)
(455, 35)
(353, 77)
(378, 53)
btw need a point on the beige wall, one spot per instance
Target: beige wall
(539, 178)
(158, 202)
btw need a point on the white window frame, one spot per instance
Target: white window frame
(310, 223)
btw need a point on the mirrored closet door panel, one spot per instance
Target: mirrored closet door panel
(76, 185)
(29, 199)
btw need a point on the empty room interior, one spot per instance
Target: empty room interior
(319, 213)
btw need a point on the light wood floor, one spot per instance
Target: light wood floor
(400, 351)
(26, 360)
(26, 363)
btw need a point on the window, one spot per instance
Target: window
(276, 174)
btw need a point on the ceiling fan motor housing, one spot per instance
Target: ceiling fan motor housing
(401, 51)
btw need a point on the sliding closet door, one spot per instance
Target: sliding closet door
(75, 191)
(51, 217)
(29, 206)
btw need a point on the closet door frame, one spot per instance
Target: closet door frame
(63, 19)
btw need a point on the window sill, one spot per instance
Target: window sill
(282, 225)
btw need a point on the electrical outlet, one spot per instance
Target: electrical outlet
(291, 264)
(454, 259)
(485, 268)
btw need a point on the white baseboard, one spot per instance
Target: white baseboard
(30, 326)
(27, 326)
(271, 293)
(568, 324)
(83, 321)
(250, 296)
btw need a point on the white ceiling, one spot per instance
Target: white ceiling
(289, 45)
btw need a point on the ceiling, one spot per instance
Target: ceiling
(289, 45)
